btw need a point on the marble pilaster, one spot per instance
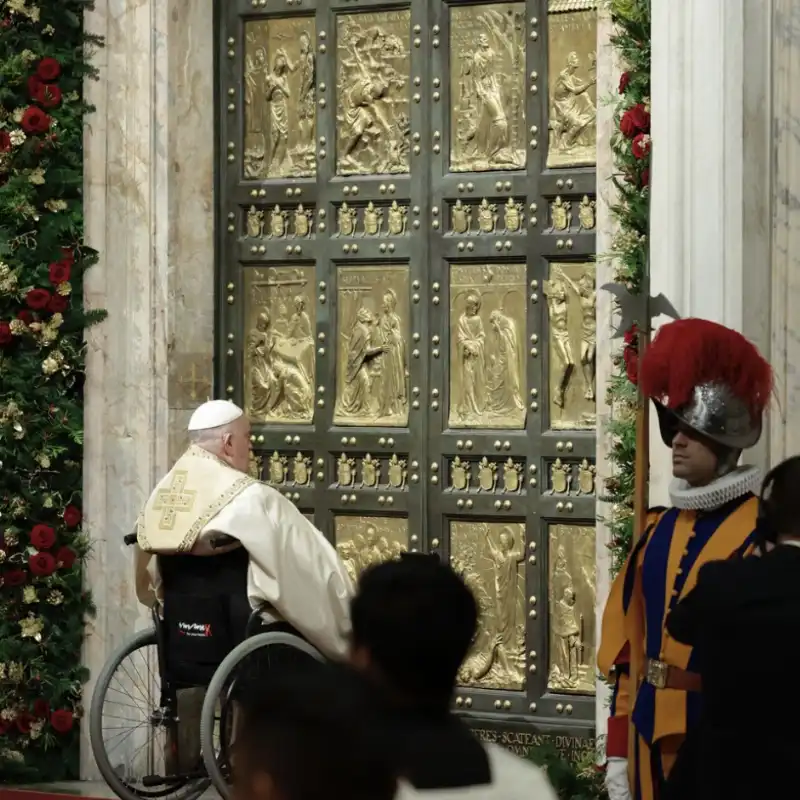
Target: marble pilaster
(785, 229)
(148, 200)
(608, 72)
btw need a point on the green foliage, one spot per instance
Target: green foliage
(43, 607)
(631, 150)
(571, 781)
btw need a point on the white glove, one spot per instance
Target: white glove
(617, 784)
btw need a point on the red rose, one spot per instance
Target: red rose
(42, 564)
(62, 720)
(60, 271)
(48, 69)
(14, 577)
(6, 23)
(23, 722)
(5, 724)
(635, 120)
(6, 336)
(640, 146)
(631, 335)
(65, 557)
(43, 537)
(37, 299)
(72, 517)
(34, 85)
(34, 120)
(47, 95)
(25, 316)
(41, 709)
(644, 178)
(624, 80)
(57, 304)
(5, 142)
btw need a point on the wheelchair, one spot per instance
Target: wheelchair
(170, 656)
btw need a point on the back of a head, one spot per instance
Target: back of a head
(416, 618)
(310, 734)
(781, 499)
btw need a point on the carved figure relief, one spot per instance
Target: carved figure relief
(460, 474)
(373, 220)
(365, 541)
(372, 354)
(586, 213)
(255, 223)
(256, 466)
(372, 73)
(277, 469)
(345, 471)
(301, 470)
(490, 557)
(560, 477)
(572, 87)
(572, 588)
(514, 217)
(561, 215)
(586, 477)
(346, 218)
(487, 359)
(398, 219)
(571, 305)
(280, 98)
(370, 472)
(487, 475)
(461, 217)
(277, 222)
(279, 364)
(487, 68)
(397, 472)
(487, 217)
(512, 476)
(303, 220)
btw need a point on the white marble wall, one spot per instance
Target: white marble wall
(148, 192)
(608, 72)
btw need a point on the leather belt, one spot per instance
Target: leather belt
(665, 676)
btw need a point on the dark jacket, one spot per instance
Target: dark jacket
(743, 617)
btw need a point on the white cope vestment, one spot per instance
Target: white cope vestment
(293, 567)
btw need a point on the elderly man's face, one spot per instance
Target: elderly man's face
(236, 445)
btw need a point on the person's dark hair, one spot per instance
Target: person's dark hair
(311, 729)
(779, 505)
(416, 618)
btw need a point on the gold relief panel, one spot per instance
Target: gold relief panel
(372, 220)
(280, 98)
(276, 222)
(279, 364)
(572, 90)
(487, 91)
(572, 583)
(490, 556)
(571, 309)
(487, 347)
(372, 315)
(483, 475)
(373, 61)
(571, 477)
(364, 541)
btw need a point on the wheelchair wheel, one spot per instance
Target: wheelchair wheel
(252, 659)
(132, 728)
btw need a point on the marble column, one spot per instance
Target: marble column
(710, 176)
(608, 72)
(149, 153)
(784, 438)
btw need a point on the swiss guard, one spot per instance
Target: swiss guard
(710, 387)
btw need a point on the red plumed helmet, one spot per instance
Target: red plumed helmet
(709, 377)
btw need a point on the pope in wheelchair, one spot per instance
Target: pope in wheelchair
(275, 590)
(277, 561)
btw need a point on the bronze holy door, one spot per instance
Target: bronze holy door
(406, 307)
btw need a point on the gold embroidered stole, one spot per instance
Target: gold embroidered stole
(193, 492)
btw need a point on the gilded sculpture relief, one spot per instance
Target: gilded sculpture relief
(572, 585)
(365, 541)
(372, 317)
(490, 556)
(372, 92)
(571, 306)
(279, 364)
(487, 109)
(487, 356)
(572, 73)
(280, 98)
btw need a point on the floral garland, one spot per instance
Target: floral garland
(44, 59)
(631, 146)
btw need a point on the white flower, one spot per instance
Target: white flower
(28, 56)
(55, 205)
(55, 598)
(48, 30)
(2, 676)
(44, 460)
(17, 137)
(17, 114)
(36, 728)
(48, 502)
(16, 672)
(36, 177)
(12, 755)
(31, 628)
(8, 714)
(64, 288)
(29, 595)
(57, 320)
(49, 365)
(18, 327)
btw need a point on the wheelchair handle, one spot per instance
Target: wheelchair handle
(221, 540)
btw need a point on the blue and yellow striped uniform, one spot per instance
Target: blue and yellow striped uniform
(661, 569)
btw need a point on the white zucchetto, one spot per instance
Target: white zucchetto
(214, 414)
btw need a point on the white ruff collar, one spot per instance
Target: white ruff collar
(723, 490)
